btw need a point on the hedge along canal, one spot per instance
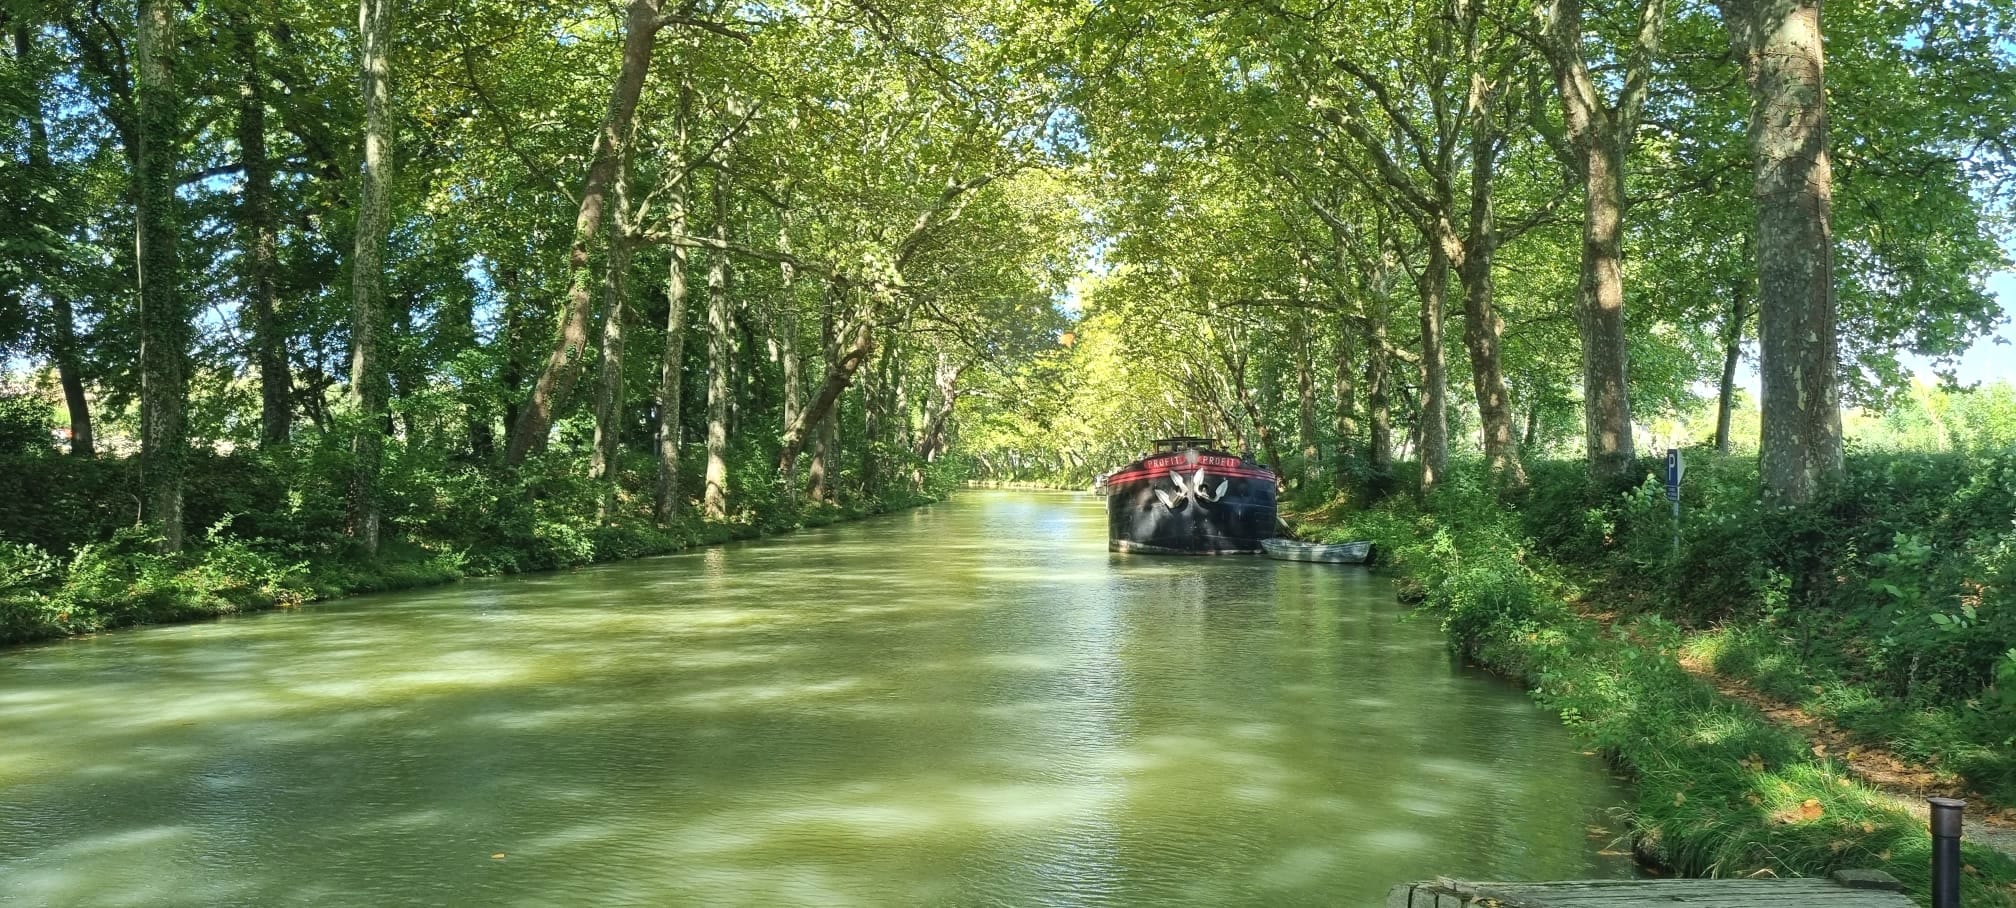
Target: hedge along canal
(969, 702)
(1718, 789)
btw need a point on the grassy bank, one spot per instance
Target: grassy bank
(1720, 790)
(72, 563)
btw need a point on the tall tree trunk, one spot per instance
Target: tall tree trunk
(825, 442)
(1482, 328)
(605, 462)
(1732, 354)
(945, 380)
(670, 379)
(841, 364)
(789, 358)
(1606, 402)
(672, 361)
(164, 313)
(456, 329)
(259, 234)
(1379, 371)
(1305, 389)
(370, 384)
(563, 366)
(714, 502)
(1600, 135)
(1344, 387)
(875, 421)
(70, 376)
(1779, 43)
(1432, 429)
(518, 331)
(63, 331)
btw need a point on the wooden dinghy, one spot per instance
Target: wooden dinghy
(1341, 553)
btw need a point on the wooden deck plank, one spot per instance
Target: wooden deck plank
(1664, 893)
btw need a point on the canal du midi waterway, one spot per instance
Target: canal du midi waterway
(967, 704)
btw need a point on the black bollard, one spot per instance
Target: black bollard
(1946, 851)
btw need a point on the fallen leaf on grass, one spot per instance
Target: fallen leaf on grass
(1811, 810)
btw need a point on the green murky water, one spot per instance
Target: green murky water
(972, 704)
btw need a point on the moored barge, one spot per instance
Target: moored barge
(1189, 498)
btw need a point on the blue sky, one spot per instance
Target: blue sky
(1987, 360)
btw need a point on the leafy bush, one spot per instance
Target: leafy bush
(1720, 790)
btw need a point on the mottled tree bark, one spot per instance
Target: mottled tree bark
(1779, 44)
(563, 366)
(518, 331)
(164, 311)
(841, 364)
(1432, 426)
(1606, 401)
(1600, 135)
(605, 462)
(1344, 391)
(672, 360)
(945, 380)
(826, 437)
(63, 316)
(1482, 331)
(790, 360)
(720, 350)
(671, 366)
(1305, 413)
(1379, 370)
(370, 384)
(259, 235)
(1482, 328)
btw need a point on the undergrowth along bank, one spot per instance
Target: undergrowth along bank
(274, 540)
(1719, 789)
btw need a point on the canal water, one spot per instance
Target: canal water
(969, 704)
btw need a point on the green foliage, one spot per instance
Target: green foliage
(24, 424)
(1719, 790)
(1889, 606)
(276, 539)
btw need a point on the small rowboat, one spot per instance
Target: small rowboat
(1341, 553)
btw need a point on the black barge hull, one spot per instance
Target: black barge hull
(1190, 503)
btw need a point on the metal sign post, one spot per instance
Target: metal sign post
(1675, 468)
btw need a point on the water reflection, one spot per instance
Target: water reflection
(970, 704)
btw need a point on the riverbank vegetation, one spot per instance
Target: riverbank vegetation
(314, 298)
(1595, 608)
